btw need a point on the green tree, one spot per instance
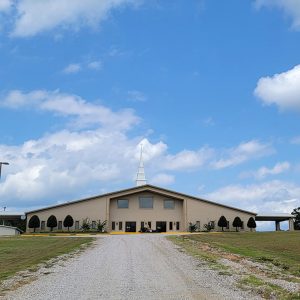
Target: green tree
(52, 222)
(237, 222)
(34, 222)
(101, 225)
(68, 222)
(86, 224)
(222, 222)
(296, 214)
(251, 223)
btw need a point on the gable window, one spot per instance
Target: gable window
(122, 203)
(169, 204)
(146, 202)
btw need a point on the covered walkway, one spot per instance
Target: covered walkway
(277, 218)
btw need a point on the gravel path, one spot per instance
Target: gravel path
(131, 267)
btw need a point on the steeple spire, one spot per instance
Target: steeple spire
(140, 176)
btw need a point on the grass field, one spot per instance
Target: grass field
(280, 248)
(20, 253)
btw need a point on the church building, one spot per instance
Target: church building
(141, 208)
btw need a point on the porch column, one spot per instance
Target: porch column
(277, 225)
(291, 224)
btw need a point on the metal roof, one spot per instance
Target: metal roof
(138, 189)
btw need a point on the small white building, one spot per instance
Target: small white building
(9, 230)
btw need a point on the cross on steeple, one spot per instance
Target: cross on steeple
(140, 176)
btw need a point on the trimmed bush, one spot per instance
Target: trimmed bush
(52, 222)
(251, 223)
(237, 222)
(34, 222)
(222, 222)
(68, 222)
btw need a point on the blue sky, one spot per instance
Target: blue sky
(211, 88)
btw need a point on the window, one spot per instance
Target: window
(177, 225)
(59, 225)
(43, 225)
(76, 225)
(123, 203)
(149, 224)
(120, 226)
(198, 225)
(171, 226)
(242, 227)
(142, 226)
(169, 204)
(113, 225)
(227, 227)
(94, 224)
(146, 202)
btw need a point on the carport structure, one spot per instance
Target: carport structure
(277, 218)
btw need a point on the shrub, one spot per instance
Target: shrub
(52, 222)
(237, 222)
(222, 222)
(101, 226)
(209, 226)
(251, 223)
(192, 227)
(86, 224)
(34, 222)
(68, 222)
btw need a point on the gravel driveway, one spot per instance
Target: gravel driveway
(131, 267)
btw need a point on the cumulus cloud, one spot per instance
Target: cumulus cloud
(291, 8)
(282, 89)
(34, 17)
(72, 69)
(242, 153)
(82, 112)
(263, 172)
(272, 196)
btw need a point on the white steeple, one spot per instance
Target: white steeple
(140, 176)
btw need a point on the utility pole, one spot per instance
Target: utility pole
(2, 163)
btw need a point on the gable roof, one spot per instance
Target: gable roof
(143, 188)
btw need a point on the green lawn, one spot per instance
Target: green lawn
(20, 253)
(279, 248)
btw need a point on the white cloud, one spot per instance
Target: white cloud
(291, 8)
(137, 96)
(188, 160)
(277, 169)
(84, 113)
(263, 172)
(272, 196)
(72, 69)
(5, 5)
(95, 65)
(242, 153)
(34, 17)
(281, 89)
(162, 179)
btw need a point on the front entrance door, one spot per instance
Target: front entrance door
(161, 226)
(130, 226)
